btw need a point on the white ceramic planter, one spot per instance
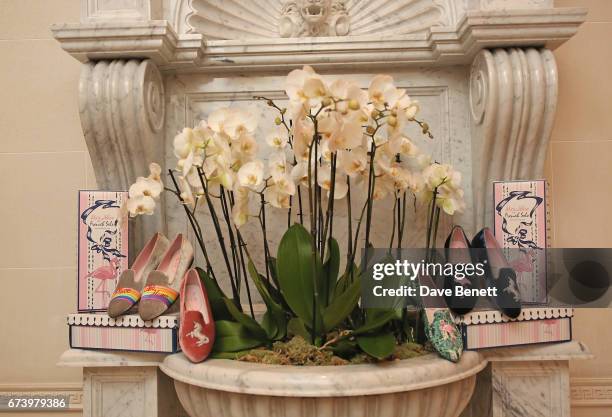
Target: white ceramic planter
(423, 387)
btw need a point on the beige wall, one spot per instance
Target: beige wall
(43, 161)
(579, 168)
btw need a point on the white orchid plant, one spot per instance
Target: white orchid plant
(331, 141)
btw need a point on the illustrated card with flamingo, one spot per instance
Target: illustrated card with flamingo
(521, 228)
(102, 248)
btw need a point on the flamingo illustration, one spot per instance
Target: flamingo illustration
(105, 273)
(524, 262)
(448, 330)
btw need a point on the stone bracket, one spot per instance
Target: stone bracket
(122, 110)
(513, 99)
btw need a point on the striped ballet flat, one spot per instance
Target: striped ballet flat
(163, 284)
(131, 282)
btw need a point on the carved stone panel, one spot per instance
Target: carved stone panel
(313, 18)
(244, 19)
(442, 93)
(535, 389)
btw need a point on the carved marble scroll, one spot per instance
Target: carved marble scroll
(513, 98)
(122, 115)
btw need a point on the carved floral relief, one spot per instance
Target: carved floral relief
(313, 18)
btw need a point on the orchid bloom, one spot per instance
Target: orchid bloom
(447, 183)
(305, 87)
(240, 211)
(277, 164)
(382, 91)
(354, 162)
(277, 140)
(349, 97)
(343, 133)
(144, 192)
(232, 122)
(278, 194)
(325, 182)
(251, 175)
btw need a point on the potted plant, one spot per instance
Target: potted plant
(332, 142)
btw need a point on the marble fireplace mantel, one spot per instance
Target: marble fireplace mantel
(477, 30)
(484, 68)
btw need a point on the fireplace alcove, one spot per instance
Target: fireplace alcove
(482, 69)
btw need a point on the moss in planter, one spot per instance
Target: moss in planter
(294, 352)
(405, 351)
(301, 353)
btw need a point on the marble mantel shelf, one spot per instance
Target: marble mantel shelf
(549, 352)
(477, 30)
(82, 358)
(573, 350)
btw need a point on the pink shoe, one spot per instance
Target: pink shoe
(163, 284)
(197, 327)
(131, 281)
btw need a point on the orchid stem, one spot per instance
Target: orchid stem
(194, 225)
(395, 209)
(215, 219)
(349, 219)
(230, 232)
(262, 222)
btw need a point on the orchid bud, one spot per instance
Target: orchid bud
(370, 130)
(392, 121)
(278, 121)
(353, 104)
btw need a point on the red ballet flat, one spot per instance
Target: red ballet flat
(197, 326)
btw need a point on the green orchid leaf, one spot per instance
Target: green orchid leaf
(228, 355)
(342, 306)
(248, 322)
(273, 270)
(215, 296)
(331, 267)
(296, 327)
(299, 272)
(379, 346)
(276, 324)
(344, 348)
(345, 280)
(269, 325)
(375, 319)
(232, 336)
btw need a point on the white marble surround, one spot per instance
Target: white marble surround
(483, 70)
